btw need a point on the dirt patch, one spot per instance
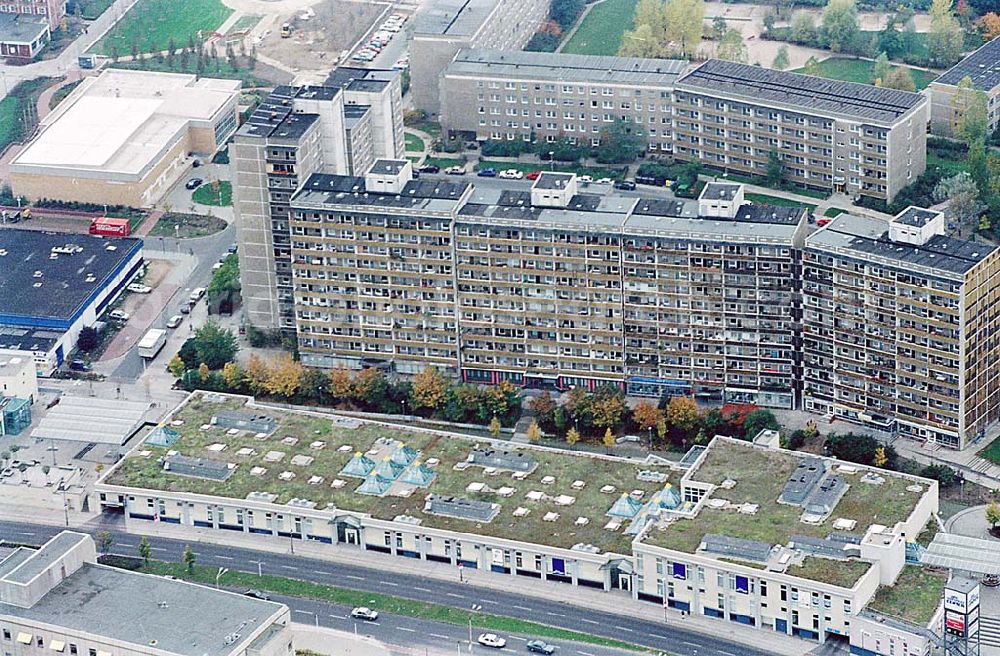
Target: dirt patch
(185, 226)
(319, 34)
(156, 271)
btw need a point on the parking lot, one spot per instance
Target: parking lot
(392, 51)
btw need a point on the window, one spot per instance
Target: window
(6, 634)
(72, 649)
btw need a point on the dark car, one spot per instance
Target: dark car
(257, 594)
(185, 309)
(625, 185)
(430, 168)
(487, 173)
(650, 180)
(541, 647)
(233, 248)
(79, 365)
(193, 183)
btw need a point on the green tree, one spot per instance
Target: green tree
(312, 384)
(775, 169)
(839, 26)
(88, 339)
(719, 27)
(861, 449)
(971, 107)
(145, 551)
(213, 345)
(944, 38)
(732, 48)
(685, 18)
(900, 78)
(759, 420)
(621, 143)
(495, 427)
(663, 29)
(993, 514)
(176, 366)
(534, 432)
(812, 67)
(803, 28)
(781, 61)
(943, 474)
(962, 194)
(609, 439)
(189, 558)
(881, 71)
(105, 542)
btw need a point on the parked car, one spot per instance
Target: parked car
(455, 170)
(185, 309)
(233, 248)
(174, 321)
(487, 173)
(586, 179)
(139, 288)
(193, 183)
(430, 168)
(533, 175)
(541, 647)
(364, 613)
(79, 365)
(118, 315)
(604, 181)
(511, 174)
(625, 185)
(216, 266)
(196, 294)
(628, 438)
(822, 222)
(257, 594)
(492, 640)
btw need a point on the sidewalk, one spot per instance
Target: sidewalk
(609, 602)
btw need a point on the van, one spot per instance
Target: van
(286, 31)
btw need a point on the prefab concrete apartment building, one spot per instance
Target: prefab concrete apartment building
(443, 27)
(552, 287)
(507, 95)
(745, 532)
(982, 67)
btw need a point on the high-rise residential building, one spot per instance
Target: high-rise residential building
(900, 327)
(983, 69)
(293, 133)
(830, 135)
(506, 95)
(550, 286)
(443, 27)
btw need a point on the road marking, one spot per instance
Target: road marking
(223, 557)
(589, 621)
(661, 637)
(488, 601)
(289, 567)
(690, 644)
(24, 532)
(456, 596)
(726, 653)
(395, 585)
(423, 589)
(583, 653)
(554, 614)
(339, 617)
(519, 638)
(623, 628)
(403, 628)
(356, 578)
(522, 608)
(157, 549)
(438, 635)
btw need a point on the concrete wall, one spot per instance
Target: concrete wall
(20, 380)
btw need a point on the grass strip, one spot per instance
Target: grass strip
(387, 603)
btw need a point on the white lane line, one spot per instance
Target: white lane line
(726, 653)
(583, 653)
(222, 557)
(488, 601)
(24, 532)
(289, 567)
(438, 635)
(389, 583)
(422, 589)
(657, 635)
(690, 644)
(522, 608)
(452, 594)
(157, 549)
(623, 628)
(403, 628)
(554, 614)
(519, 638)
(356, 578)
(589, 621)
(339, 617)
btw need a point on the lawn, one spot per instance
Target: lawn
(761, 182)
(207, 194)
(949, 162)
(62, 92)
(833, 212)
(765, 199)
(342, 443)
(992, 451)
(913, 598)
(842, 573)
(10, 121)
(382, 602)
(189, 225)
(602, 29)
(24, 94)
(87, 9)
(150, 25)
(863, 71)
(244, 23)
(414, 144)
(221, 69)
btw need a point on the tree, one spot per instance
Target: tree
(145, 551)
(962, 194)
(176, 366)
(775, 169)
(429, 391)
(880, 73)
(534, 432)
(341, 384)
(781, 61)
(232, 375)
(646, 415)
(803, 28)
(284, 376)
(971, 109)
(370, 387)
(662, 29)
(544, 407)
(759, 420)
(718, 27)
(572, 436)
(811, 67)
(608, 407)
(944, 38)
(495, 427)
(88, 339)
(214, 345)
(257, 374)
(188, 558)
(609, 439)
(565, 12)
(732, 48)
(313, 384)
(685, 18)
(839, 26)
(943, 474)
(621, 142)
(880, 458)
(682, 414)
(993, 514)
(104, 542)
(900, 78)
(203, 372)
(860, 449)
(989, 25)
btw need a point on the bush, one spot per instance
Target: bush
(794, 441)
(505, 148)
(943, 474)
(859, 449)
(542, 42)
(88, 339)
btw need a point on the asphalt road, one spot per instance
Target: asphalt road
(650, 634)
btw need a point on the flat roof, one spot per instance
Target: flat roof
(456, 18)
(917, 217)
(867, 236)
(37, 561)
(557, 67)
(29, 339)
(369, 80)
(548, 180)
(982, 67)
(12, 361)
(123, 121)
(87, 419)
(805, 93)
(21, 28)
(34, 284)
(143, 610)
(720, 190)
(388, 166)
(418, 195)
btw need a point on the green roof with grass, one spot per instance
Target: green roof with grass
(144, 471)
(914, 597)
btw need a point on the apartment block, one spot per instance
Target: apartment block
(830, 135)
(982, 68)
(899, 327)
(549, 287)
(443, 27)
(497, 94)
(293, 133)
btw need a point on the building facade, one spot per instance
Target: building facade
(983, 71)
(830, 135)
(381, 91)
(17, 375)
(507, 95)
(898, 325)
(444, 27)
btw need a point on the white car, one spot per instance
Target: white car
(455, 170)
(604, 181)
(174, 321)
(364, 613)
(510, 174)
(492, 640)
(118, 315)
(217, 266)
(139, 288)
(391, 27)
(585, 178)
